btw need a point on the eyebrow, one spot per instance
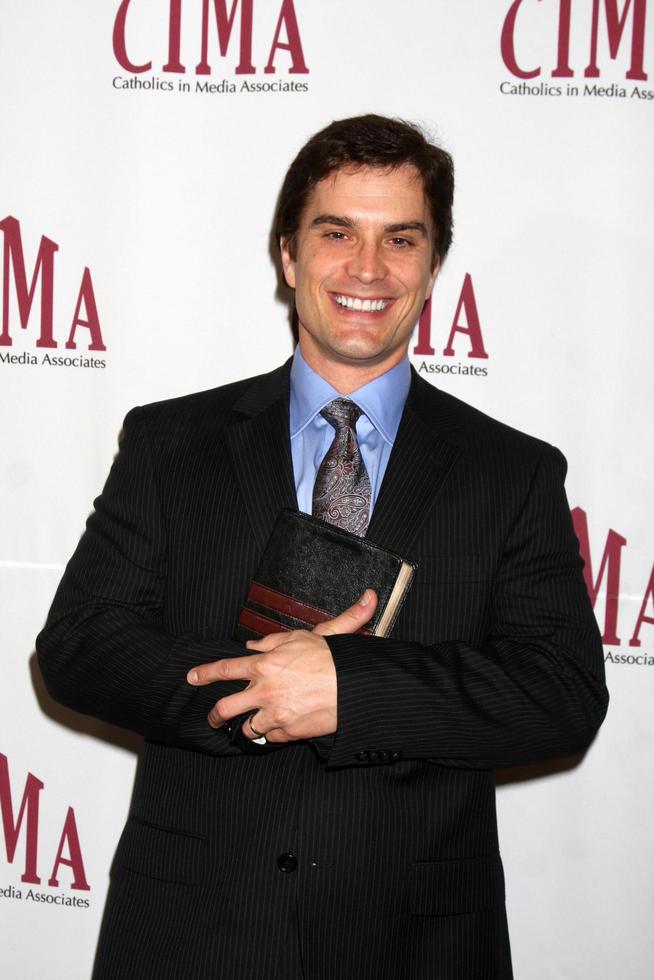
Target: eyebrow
(343, 222)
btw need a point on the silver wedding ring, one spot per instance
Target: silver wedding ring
(260, 737)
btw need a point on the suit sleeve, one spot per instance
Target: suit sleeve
(104, 650)
(533, 690)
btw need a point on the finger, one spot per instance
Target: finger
(260, 723)
(218, 716)
(353, 618)
(254, 729)
(238, 668)
(249, 731)
(214, 719)
(235, 704)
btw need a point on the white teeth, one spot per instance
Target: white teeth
(362, 305)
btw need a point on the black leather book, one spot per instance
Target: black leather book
(311, 571)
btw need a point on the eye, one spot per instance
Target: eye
(336, 236)
(399, 242)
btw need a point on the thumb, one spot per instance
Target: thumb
(353, 618)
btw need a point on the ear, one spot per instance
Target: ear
(288, 262)
(432, 280)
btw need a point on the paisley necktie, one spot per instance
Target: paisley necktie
(341, 493)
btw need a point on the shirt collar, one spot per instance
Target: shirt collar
(382, 399)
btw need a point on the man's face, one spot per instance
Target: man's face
(362, 270)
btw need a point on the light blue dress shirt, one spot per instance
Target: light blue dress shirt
(382, 403)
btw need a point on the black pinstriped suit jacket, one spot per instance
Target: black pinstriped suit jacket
(495, 660)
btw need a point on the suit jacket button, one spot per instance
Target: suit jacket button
(287, 862)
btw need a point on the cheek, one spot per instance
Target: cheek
(319, 264)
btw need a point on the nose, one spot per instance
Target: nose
(367, 263)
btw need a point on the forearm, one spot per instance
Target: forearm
(107, 649)
(503, 704)
(111, 663)
(528, 687)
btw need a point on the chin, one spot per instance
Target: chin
(361, 355)
(358, 349)
(359, 343)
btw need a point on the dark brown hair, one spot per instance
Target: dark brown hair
(368, 141)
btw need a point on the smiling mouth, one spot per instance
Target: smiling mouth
(361, 305)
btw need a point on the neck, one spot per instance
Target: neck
(346, 376)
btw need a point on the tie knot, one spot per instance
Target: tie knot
(341, 412)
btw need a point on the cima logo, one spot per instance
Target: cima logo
(464, 336)
(618, 24)
(85, 314)
(465, 323)
(220, 23)
(25, 817)
(605, 578)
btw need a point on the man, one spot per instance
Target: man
(321, 804)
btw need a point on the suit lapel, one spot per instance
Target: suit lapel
(259, 445)
(419, 464)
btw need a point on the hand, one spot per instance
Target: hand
(292, 679)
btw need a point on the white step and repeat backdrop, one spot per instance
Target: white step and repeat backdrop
(143, 144)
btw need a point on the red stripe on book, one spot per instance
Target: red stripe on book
(260, 624)
(281, 603)
(277, 602)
